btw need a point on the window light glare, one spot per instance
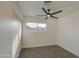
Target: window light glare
(31, 25)
(42, 25)
(36, 25)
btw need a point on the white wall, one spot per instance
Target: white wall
(8, 28)
(37, 39)
(16, 46)
(16, 43)
(68, 32)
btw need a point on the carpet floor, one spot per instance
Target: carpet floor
(46, 52)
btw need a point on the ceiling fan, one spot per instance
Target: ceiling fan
(48, 14)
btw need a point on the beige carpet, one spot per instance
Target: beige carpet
(46, 52)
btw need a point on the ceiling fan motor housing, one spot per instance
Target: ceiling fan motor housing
(48, 10)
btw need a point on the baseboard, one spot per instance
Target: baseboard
(32, 46)
(5, 56)
(68, 50)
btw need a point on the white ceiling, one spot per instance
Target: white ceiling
(32, 8)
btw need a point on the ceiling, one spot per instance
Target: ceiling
(32, 8)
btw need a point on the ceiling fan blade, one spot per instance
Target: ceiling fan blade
(54, 17)
(56, 12)
(46, 18)
(44, 11)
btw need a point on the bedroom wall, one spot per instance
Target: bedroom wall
(37, 39)
(17, 42)
(68, 32)
(9, 25)
(16, 46)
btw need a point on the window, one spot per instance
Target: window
(36, 27)
(41, 25)
(32, 25)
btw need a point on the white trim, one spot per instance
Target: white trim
(42, 45)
